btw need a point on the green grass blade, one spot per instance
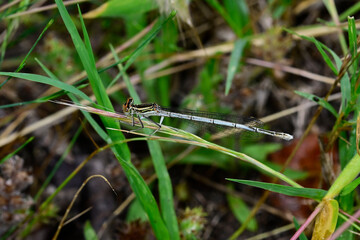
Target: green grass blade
(94, 78)
(322, 48)
(352, 35)
(348, 174)
(297, 226)
(209, 78)
(236, 26)
(48, 81)
(150, 36)
(121, 151)
(238, 12)
(234, 63)
(89, 231)
(165, 189)
(90, 119)
(39, 100)
(4, 159)
(126, 78)
(351, 187)
(316, 194)
(123, 8)
(22, 64)
(165, 185)
(346, 94)
(325, 57)
(319, 101)
(350, 11)
(353, 46)
(99, 130)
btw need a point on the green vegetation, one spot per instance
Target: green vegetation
(232, 56)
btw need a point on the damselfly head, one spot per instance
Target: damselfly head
(128, 105)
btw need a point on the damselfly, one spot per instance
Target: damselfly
(152, 109)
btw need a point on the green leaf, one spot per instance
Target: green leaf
(350, 187)
(241, 211)
(221, 10)
(345, 86)
(319, 101)
(136, 212)
(238, 12)
(123, 8)
(312, 193)
(234, 63)
(89, 232)
(259, 151)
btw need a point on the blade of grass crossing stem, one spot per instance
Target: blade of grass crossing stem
(164, 183)
(22, 64)
(40, 100)
(48, 81)
(4, 159)
(90, 119)
(121, 151)
(234, 63)
(151, 35)
(125, 77)
(117, 60)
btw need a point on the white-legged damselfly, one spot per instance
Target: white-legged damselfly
(147, 110)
